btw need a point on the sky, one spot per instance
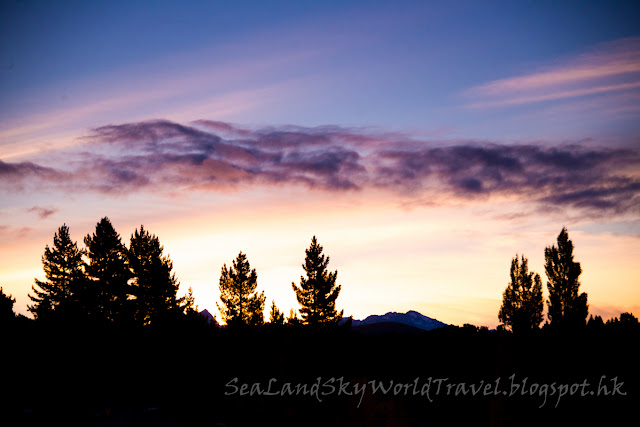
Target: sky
(424, 144)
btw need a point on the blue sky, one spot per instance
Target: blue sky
(399, 65)
(514, 118)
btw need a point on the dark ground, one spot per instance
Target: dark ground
(179, 377)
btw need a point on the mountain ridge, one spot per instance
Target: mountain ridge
(410, 318)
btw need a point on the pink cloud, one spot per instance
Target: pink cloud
(556, 95)
(609, 67)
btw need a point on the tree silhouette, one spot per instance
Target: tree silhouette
(317, 292)
(188, 304)
(108, 270)
(276, 317)
(567, 308)
(293, 318)
(241, 303)
(626, 321)
(595, 322)
(63, 288)
(522, 302)
(154, 285)
(6, 308)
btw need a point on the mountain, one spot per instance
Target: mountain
(208, 316)
(410, 318)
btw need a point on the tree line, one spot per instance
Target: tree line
(522, 303)
(108, 283)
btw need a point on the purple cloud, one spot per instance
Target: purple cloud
(17, 176)
(18, 171)
(152, 155)
(569, 175)
(42, 213)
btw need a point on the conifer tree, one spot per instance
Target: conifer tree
(6, 308)
(595, 322)
(522, 301)
(62, 291)
(317, 292)
(108, 271)
(628, 319)
(276, 317)
(154, 285)
(241, 303)
(188, 304)
(293, 318)
(567, 308)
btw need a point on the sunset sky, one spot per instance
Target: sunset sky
(423, 143)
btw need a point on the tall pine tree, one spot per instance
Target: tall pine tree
(154, 284)
(276, 317)
(188, 305)
(109, 273)
(62, 291)
(567, 308)
(317, 292)
(241, 303)
(522, 301)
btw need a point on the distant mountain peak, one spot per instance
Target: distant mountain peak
(410, 318)
(208, 316)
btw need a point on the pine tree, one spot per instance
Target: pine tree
(595, 322)
(154, 285)
(108, 271)
(567, 308)
(6, 308)
(241, 303)
(188, 304)
(628, 319)
(293, 318)
(522, 301)
(62, 291)
(276, 317)
(317, 292)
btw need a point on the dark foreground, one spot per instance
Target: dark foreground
(288, 376)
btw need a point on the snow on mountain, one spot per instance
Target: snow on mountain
(411, 318)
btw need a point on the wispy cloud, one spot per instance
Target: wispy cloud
(42, 212)
(8, 232)
(14, 176)
(162, 155)
(609, 67)
(218, 89)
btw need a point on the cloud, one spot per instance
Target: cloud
(569, 176)
(14, 176)
(197, 157)
(161, 155)
(607, 68)
(22, 169)
(625, 196)
(527, 99)
(42, 213)
(8, 232)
